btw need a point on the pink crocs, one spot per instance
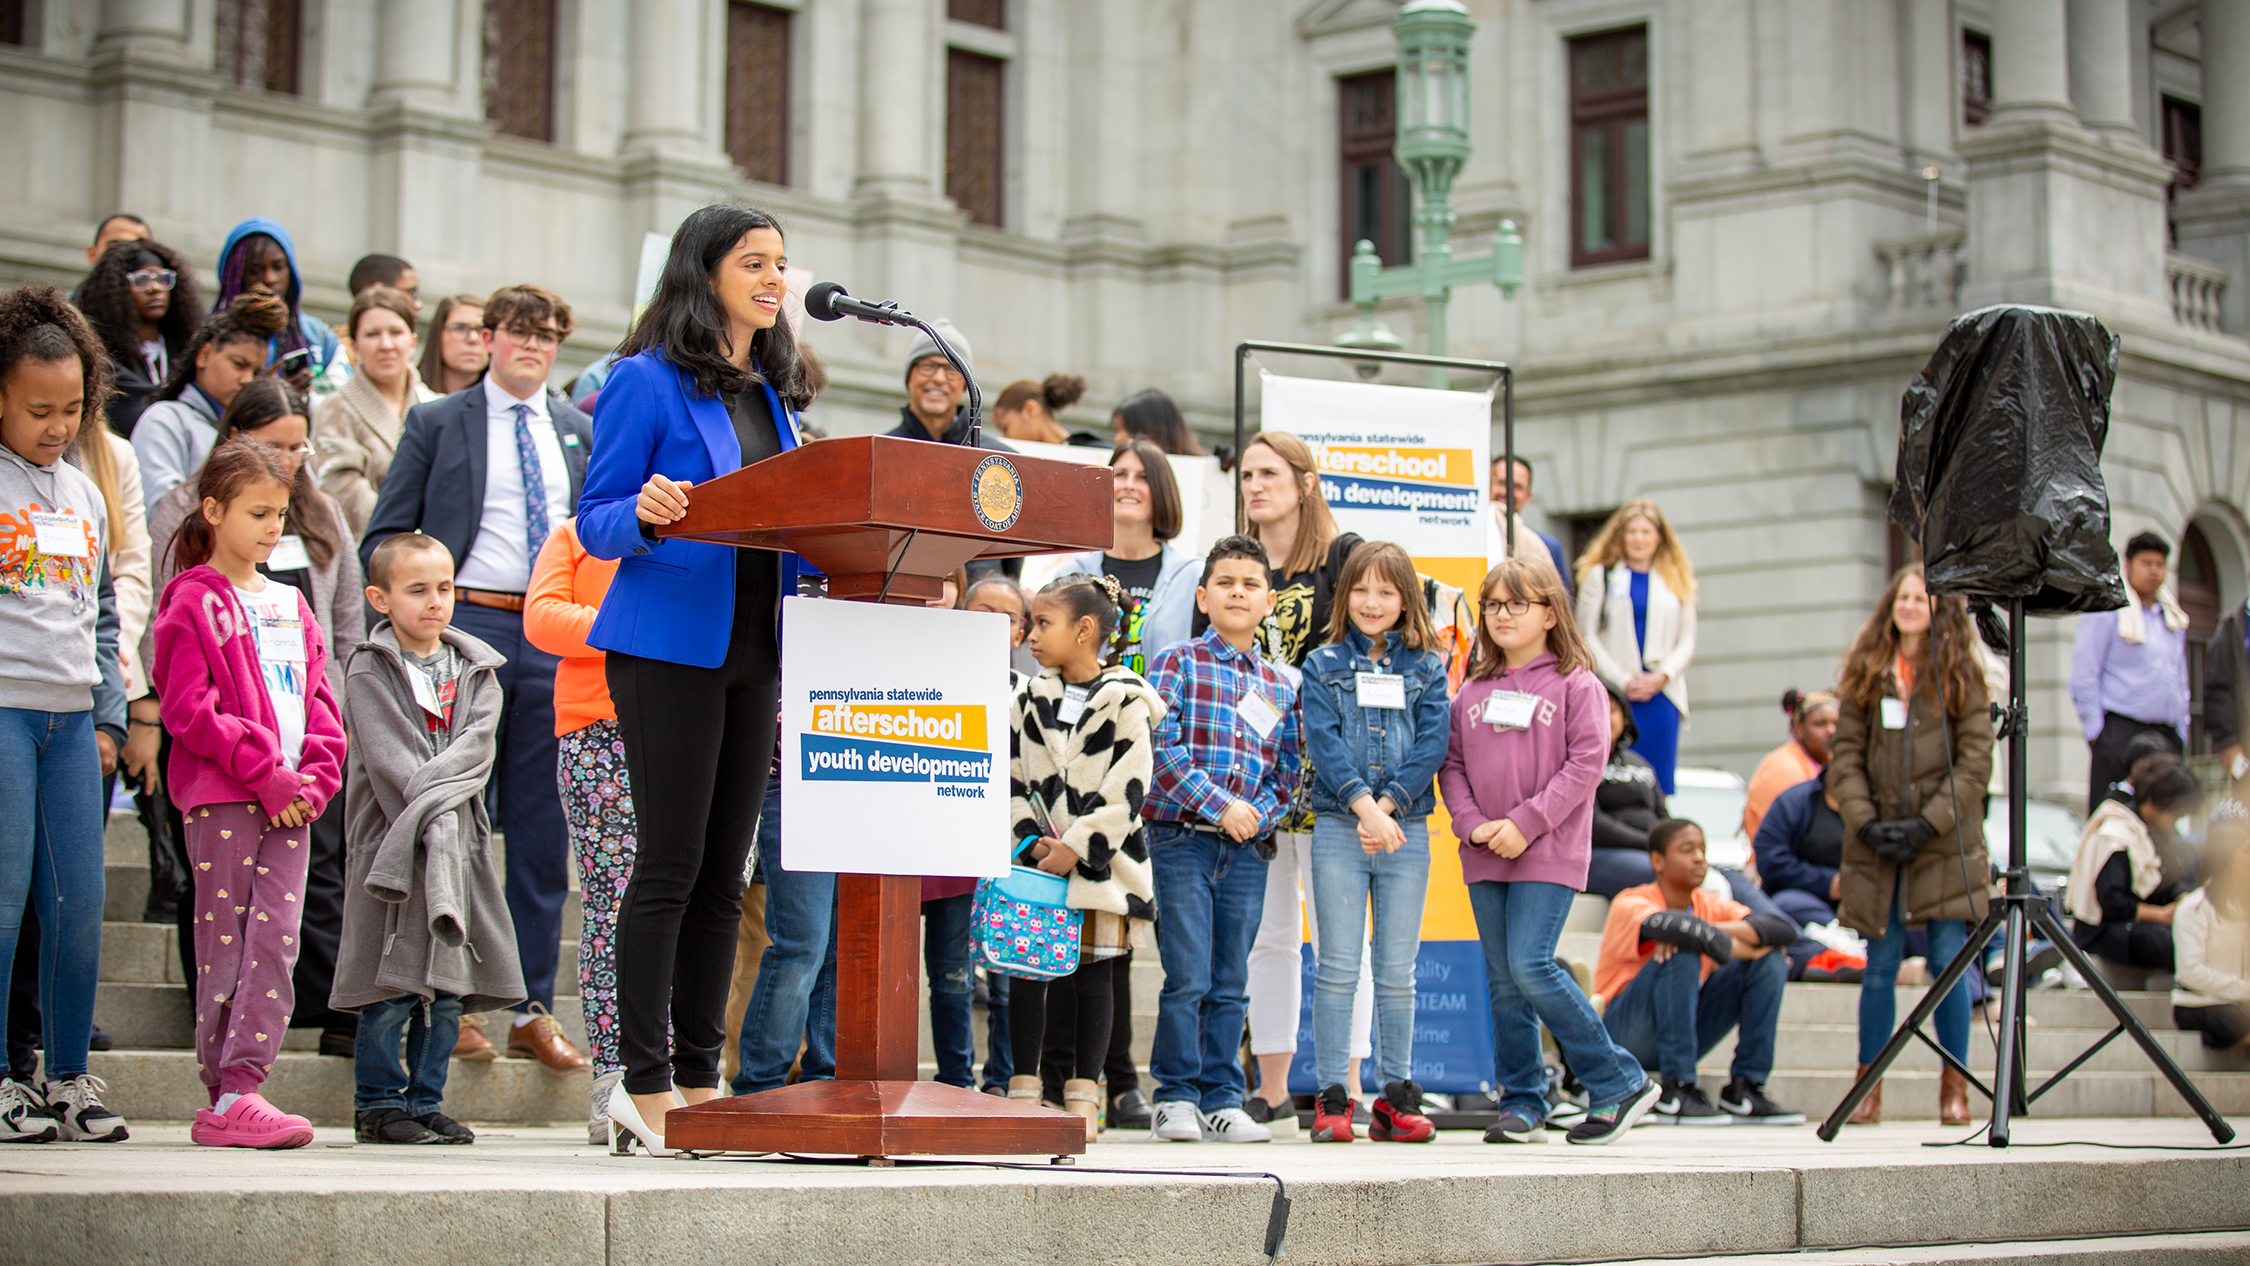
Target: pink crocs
(251, 1122)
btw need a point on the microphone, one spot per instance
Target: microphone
(827, 301)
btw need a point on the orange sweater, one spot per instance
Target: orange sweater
(567, 585)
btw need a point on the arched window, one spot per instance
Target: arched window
(2195, 578)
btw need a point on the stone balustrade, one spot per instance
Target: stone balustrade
(1923, 271)
(2196, 287)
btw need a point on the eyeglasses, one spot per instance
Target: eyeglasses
(1515, 606)
(151, 279)
(933, 369)
(462, 329)
(541, 340)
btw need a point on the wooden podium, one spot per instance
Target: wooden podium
(888, 519)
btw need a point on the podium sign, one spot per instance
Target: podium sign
(894, 728)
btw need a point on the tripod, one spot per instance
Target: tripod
(2013, 914)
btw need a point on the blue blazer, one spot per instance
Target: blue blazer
(671, 600)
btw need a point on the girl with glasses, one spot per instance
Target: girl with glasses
(143, 303)
(454, 354)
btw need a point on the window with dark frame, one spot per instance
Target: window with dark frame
(258, 43)
(2182, 138)
(2196, 581)
(757, 100)
(1609, 181)
(975, 139)
(992, 13)
(1377, 203)
(1976, 76)
(519, 68)
(15, 22)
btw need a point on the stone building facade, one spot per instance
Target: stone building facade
(1745, 221)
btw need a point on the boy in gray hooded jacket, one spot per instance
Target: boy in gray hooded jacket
(426, 929)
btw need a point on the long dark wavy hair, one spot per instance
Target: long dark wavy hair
(685, 324)
(1950, 644)
(253, 317)
(265, 400)
(107, 299)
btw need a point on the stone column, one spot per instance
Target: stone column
(664, 104)
(2101, 74)
(159, 22)
(2226, 96)
(417, 46)
(900, 53)
(2030, 62)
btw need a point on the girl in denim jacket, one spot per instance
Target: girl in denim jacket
(1375, 727)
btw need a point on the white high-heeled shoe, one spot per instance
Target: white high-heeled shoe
(626, 1126)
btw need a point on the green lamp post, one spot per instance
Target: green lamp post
(1433, 145)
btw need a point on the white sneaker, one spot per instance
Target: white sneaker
(1233, 1125)
(597, 1107)
(1177, 1122)
(23, 1115)
(76, 1104)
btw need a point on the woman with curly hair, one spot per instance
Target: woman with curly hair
(54, 537)
(143, 303)
(179, 429)
(1908, 767)
(1636, 603)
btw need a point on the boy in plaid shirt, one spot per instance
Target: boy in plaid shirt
(1226, 758)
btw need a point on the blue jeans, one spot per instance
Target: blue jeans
(953, 984)
(418, 1085)
(1344, 877)
(1669, 1017)
(796, 990)
(1212, 892)
(1518, 925)
(1878, 997)
(51, 856)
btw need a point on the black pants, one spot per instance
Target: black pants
(698, 743)
(1076, 1009)
(2107, 767)
(2143, 945)
(1123, 1077)
(322, 932)
(2222, 1026)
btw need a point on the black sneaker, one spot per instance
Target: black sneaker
(1608, 1123)
(390, 1125)
(1745, 1100)
(100, 1041)
(335, 1043)
(1130, 1111)
(1515, 1127)
(446, 1128)
(1282, 1120)
(1684, 1103)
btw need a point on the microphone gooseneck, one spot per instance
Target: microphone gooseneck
(827, 301)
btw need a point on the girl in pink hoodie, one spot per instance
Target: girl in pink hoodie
(1530, 736)
(257, 751)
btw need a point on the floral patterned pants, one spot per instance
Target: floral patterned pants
(598, 803)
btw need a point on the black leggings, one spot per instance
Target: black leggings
(2144, 945)
(1075, 1008)
(698, 745)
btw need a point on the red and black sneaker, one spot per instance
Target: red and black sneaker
(1398, 1116)
(1332, 1116)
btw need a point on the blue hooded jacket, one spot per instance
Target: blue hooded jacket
(316, 333)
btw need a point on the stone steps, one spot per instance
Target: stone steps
(2208, 1248)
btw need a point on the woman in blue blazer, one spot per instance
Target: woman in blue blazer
(703, 386)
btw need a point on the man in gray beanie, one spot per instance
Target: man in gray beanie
(934, 389)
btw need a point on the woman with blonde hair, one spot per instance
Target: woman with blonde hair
(1642, 634)
(1908, 768)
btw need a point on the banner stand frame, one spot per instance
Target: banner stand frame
(1501, 369)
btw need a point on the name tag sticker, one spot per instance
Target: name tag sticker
(1894, 714)
(1382, 690)
(1073, 705)
(284, 641)
(59, 535)
(1258, 713)
(423, 695)
(289, 555)
(1510, 709)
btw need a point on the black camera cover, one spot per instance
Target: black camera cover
(1999, 460)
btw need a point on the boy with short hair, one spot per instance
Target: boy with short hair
(426, 928)
(1227, 754)
(1670, 1000)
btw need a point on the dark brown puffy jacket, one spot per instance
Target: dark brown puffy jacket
(1880, 775)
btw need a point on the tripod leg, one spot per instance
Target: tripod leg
(1900, 1036)
(2053, 930)
(2007, 1075)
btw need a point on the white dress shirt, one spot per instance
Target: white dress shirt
(499, 558)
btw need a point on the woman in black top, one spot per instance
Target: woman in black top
(142, 301)
(1627, 804)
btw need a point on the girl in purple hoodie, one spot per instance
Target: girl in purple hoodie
(257, 751)
(1530, 736)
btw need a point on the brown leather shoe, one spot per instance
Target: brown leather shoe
(472, 1045)
(1953, 1097)
(1870, 1110)
(543, 1040)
